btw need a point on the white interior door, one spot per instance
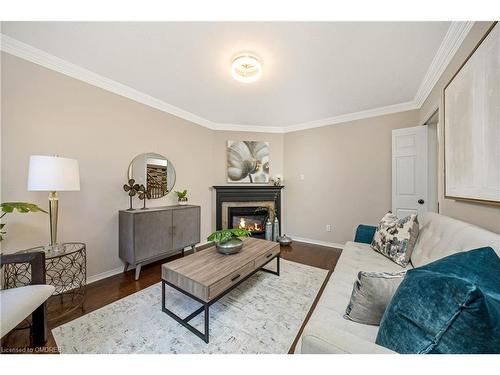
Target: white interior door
(409, 171)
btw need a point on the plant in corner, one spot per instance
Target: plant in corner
(182, 197)
(22, 207)
(227, 241)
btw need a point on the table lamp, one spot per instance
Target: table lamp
(53, 174)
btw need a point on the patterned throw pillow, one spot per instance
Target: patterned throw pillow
(395, 238)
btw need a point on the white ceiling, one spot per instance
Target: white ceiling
(311, 71)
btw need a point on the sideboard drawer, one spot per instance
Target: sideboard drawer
(265, 258)
(227, 281)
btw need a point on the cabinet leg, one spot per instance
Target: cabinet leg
(182, 252)
(193, 247)
(137, 271)
(125, 267)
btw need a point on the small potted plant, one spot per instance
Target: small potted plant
(227, 241)
(182, 197)
(22, 207)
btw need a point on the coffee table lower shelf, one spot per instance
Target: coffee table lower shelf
(206, 304)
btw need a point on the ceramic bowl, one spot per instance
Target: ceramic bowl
(232, 246)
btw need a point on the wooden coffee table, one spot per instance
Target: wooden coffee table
(207, 275)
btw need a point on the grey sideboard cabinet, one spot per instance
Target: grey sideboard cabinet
(154, 233)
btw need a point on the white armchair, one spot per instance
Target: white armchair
(17, 304)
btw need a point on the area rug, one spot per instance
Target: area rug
(262, 315)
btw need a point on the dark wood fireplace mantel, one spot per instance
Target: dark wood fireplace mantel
(250, 193)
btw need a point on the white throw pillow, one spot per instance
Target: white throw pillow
(395, 238)
(371, 294)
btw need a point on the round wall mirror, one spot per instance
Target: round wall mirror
(155, 172)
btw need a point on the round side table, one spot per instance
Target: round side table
(65, 269)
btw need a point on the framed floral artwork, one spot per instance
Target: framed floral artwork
(248, 162)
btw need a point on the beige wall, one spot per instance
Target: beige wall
(347, 176)
(486, 216)
(44, 112)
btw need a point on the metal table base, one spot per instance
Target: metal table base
(206, 305)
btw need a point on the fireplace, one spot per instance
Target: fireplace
(249, 218)
(236, 202)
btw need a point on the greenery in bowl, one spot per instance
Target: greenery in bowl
(181, 194)
(22, 207)
(226, 234)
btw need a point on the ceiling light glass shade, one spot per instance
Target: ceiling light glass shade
(52, 173)
(246, 68)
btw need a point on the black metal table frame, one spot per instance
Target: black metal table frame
(206, 305)
(71, 264)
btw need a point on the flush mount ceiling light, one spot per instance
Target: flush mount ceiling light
(246, 68)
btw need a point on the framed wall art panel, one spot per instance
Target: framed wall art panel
(472, 125)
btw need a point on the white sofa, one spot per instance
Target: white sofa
(327, 331)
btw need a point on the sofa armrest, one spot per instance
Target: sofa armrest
(36, 261)
(365, 233)
(338, 342)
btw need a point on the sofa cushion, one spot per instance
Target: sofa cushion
(448, 306)
(18, 303)
(395, 238)
(441, 236)
(371, 294)
(331, 307)
(327, 339)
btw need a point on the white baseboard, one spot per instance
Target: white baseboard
(118, 270)
(316, 242)
(104, 274)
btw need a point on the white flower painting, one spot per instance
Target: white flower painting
(248, 162)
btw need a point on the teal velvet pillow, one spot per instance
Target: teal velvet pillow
(365, 233)
(449, 306)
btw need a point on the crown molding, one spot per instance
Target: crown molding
(250, 128)
(39, 57)
(374, 112)
(452, 41)
(353, 116)
(450, 44)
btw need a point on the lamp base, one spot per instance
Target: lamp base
(53, 249)
(53, 211)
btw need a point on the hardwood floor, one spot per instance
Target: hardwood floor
(312, 255)
(111, 289)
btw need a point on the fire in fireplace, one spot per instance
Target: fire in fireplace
(249, 218)
(249, 224)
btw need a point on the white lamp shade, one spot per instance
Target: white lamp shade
(52, 173)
